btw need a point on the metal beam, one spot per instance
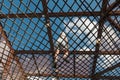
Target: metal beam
(113, 23)
(112, 6)
(99, 34)
(57, 14)
(117, 52)
(107, 69)
(9, 75)
(47, 24)
(114, 13)
(59, 75)
(109, 77)
(104, 14)
(69, 14)
(108, 10)
(64, 14)
(11, 56)
(5, 70)
(49, 30)
(76, 76)
(22, 15)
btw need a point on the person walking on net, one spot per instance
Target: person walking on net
(62, 45)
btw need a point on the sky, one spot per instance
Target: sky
(35, 36)
(71, 28)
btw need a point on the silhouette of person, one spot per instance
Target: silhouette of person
(62, 45)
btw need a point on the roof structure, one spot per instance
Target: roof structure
(30, 31)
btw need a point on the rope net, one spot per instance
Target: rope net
(59, 39)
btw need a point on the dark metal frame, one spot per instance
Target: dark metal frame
(104, 14)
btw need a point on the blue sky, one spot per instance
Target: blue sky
(31, 34)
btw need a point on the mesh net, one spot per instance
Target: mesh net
(59, 39)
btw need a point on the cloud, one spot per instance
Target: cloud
(79, 26)
(110, 39)
(35, 78)
(108, 60)
(82, 26)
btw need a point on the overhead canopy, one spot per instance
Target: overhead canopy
(30, 29)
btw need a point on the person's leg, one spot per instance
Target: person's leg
(66, 55)
(56, 54)
(55, 62)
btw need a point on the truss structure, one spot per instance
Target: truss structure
(29, 31)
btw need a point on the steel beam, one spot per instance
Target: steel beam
(57, 14)
(11, 56)
(76, 76)
(47, 24)
(107, 69)
(117, 52)
(113, 23)
(104, 14)
(60, 75)
(49, 30)
(112, 6)
(109, 77)
(99, 34)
